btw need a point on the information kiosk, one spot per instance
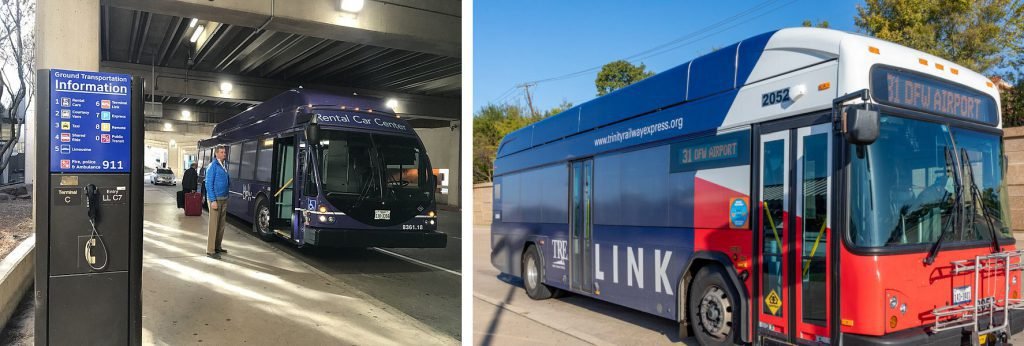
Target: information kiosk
(88, 211)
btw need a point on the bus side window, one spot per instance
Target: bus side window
(247, 165)
(234, 154)
(264, 159)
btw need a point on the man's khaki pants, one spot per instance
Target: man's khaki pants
(217, 218)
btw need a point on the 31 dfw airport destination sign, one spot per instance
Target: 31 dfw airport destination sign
(90, 122)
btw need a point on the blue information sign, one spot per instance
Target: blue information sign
(90, 122)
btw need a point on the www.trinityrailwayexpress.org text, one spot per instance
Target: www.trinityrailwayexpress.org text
(648, 130)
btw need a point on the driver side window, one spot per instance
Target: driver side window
(309, 188)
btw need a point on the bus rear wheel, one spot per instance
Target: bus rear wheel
(711, 307)
(261, 221)
(532, 276)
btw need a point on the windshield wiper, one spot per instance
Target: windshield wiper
(976, 198)
(955, 215)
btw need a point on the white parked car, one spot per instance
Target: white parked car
(162, 176)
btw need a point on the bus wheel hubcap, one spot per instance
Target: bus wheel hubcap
(531, 272)
(715, 312)
(264, 219)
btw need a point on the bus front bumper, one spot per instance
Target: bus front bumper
(919, 336)
(333, 237)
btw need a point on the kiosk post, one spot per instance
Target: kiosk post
(88, 208)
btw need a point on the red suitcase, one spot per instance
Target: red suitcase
(193, 204)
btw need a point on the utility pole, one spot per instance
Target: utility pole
(529, 98)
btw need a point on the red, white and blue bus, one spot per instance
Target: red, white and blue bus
(321, 169)
(803, 186)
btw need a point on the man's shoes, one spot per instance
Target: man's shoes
(213, 255)
(221, 251)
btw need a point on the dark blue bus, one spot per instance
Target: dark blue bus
(320, 169)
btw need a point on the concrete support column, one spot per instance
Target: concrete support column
(442, 145)
(67, 37)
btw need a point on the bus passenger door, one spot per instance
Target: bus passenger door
(283, 182)
(581, 225)
(794, 187)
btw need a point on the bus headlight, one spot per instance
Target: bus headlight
(323, 218)
(322, 209)
(330, 219)
(893, 302)
(431, 213)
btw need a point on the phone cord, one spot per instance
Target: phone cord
(96, 236)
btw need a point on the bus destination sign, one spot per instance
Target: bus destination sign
(730, 149)
(912, 90)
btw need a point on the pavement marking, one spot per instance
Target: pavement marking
(416, 261)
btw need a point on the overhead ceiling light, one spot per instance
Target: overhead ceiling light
(192, 24)
(225, 87)
(352, 5)
(186, 115)
(173, 143)
(195, 35)
(392, 103)
(167, 127)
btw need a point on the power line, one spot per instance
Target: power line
(681, 41)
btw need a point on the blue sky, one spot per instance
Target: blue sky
(521, 41)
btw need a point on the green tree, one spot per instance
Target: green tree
(492, 123)
(618, 74)
(977, 34)
(1012, 100)
(821, 24)
(986, 36)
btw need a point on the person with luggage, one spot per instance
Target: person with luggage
(217, 194)
(189, 184)
(190, 181)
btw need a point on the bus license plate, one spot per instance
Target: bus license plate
(961, 295)
(382, 215)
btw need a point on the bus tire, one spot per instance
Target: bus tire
(713, 307)
(532, 276)
(261, 220)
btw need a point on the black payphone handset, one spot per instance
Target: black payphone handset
(92, 203)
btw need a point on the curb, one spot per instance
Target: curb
(16, 273)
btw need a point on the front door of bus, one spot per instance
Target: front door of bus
(284, 182)
(794, 274)
(581, 174)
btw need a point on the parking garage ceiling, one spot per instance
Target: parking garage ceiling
(189, 67)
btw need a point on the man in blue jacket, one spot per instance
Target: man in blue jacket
(217, 194)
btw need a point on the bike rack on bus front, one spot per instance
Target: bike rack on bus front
(982, 311)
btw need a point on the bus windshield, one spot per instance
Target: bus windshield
(356, 167)
(903, 186)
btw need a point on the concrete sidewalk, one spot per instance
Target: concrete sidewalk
(255, 294)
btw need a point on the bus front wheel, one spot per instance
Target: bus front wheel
(712, 307)
(532, 276)
(261, 223)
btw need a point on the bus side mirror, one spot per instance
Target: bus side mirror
(313, 133)
(861, 126)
